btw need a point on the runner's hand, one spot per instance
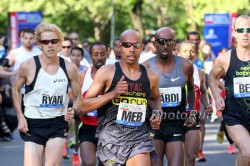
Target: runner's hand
(220, 103)
(190, 121)
(155, 120)
(69, 114)
(209, 109)
(23, 125)
(121, 87)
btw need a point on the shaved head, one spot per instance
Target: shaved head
(129, 33)
(240, 18)
(165, 31)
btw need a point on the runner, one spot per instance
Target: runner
(123, 109)
(43, 126)
(88, 141)
(193, 135)
(234, 66)
(174, 73)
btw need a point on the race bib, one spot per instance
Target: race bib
(241, 87)
(51, 99)
(93, 113)
(131, 114)
(170, 97)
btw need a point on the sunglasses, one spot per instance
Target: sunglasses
(128, 44)
(162, 41)
(68, 47)
(52, 41)
(241, 30)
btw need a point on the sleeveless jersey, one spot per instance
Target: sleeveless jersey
(237, 83)
(125, 120)
(46, 96)
(91, 117)
(173, 95)
(197, 85)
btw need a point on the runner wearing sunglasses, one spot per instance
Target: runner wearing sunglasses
(234, 66)
(123, 110)
(43, 126)
(174, 73)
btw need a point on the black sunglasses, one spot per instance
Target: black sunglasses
(52, 41)
(162, 41)
(241, 30)
(128, 44)
(66, 47)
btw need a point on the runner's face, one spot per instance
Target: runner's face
(187, 51)
(166, 50)
(98, 56)
(76, 57)
(66, 45)
(195, 39)
(243, 39)
(131, 54)
(50, 49)
(28, 40)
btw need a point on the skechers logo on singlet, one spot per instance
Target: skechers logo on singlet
(245, 71)
(52, 101)
(59, 80)
(137, 96)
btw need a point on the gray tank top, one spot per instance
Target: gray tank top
(172, 88)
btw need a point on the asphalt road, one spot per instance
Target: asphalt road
(11, 153)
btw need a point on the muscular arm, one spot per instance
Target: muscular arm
(155, 99)
(204, 97)
(218, 71)
(91, 101)
(75, 88)
(21, 78)
(189, 71)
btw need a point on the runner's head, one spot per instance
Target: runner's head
(187, 50)
(49, 38)
(164, 42)
(27, 38)
(131, 46)
(242, 31)
(98, 54)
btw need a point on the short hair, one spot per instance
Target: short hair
(67, 39)
(187, 42)
(245, 17)
(97, 43)
(25, 30)
(77, 48)
(193, 33)
(47, 27)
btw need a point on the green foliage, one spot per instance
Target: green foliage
(91, 19)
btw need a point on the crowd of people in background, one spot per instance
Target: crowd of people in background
(183, 67)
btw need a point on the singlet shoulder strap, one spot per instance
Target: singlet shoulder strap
(63, 66)
(30, 87)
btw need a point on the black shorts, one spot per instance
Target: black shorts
(87, 133)
(232, 121)
(41, 130)
(169, 138)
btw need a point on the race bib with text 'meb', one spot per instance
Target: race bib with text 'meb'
(241, 87)
(131, 114)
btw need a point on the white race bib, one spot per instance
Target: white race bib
(170, 97)
(241, 87)
(51, 99)
(131, 114)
